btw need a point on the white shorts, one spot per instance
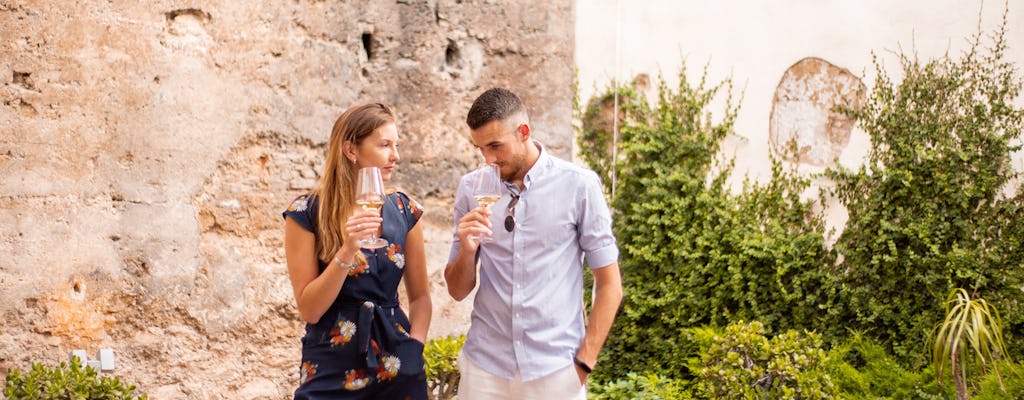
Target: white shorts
(477, 384)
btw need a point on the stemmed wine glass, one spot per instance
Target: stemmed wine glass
(370, 196)
(486, 191)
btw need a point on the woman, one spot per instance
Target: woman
(358, 344)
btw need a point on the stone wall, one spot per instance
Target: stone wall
(148, 147)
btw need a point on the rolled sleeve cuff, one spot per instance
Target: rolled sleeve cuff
(602, 257)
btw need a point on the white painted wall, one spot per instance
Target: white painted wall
(756, 41)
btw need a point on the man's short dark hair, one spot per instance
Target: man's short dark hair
(496, 104)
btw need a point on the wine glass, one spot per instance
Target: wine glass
(370, 196)
(486, 191)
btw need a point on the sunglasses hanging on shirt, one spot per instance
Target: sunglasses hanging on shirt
(510, 213)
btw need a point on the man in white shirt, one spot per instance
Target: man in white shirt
(527, 338)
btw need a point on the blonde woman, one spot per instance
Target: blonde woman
(359, 344)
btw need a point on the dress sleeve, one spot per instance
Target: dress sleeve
(411, 209)
(303, 211)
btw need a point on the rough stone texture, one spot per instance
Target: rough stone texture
(147, 149)
(803, 110)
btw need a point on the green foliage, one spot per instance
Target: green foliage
(1008, 386)
(66, 381)
(862, 370)
(440, 358)
(745, 364)
(934, 207)
(595, 134)
(694, 253)
(640, 387)
(969, 340)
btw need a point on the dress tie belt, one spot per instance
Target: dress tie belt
(375, 330)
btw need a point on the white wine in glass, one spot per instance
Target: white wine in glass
(370, 196)
(486, 191)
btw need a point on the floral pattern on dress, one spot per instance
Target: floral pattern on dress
(388, 368)
(335, 352)
(342, 334)
(361, 269)
(396, 255)
(401, 329)
(417, 210)
(356, 379)
(306, 372)
(299, 204)
(414, 208)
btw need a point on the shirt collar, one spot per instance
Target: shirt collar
(539, 168)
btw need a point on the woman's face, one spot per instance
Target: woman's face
(380, 150)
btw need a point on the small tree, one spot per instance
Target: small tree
(440, 358)
(971, 335)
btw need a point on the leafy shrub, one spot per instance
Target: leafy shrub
(693, 253)
(745, 364)
(992, 385)
(67, 381)
(440, 358)
(863, 370)
(934, 207)
(640, 387)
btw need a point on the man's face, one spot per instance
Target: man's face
(501, 143)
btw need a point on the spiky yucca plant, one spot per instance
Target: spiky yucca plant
(970, 335)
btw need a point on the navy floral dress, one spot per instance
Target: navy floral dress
(361, 348)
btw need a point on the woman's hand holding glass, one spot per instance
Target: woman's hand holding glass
(362, 225)
(370, 198)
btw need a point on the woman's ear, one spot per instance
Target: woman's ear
(348, 149)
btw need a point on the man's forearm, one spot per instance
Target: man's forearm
(607, 298)
(460, 274)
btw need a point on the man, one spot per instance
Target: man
(527, 338)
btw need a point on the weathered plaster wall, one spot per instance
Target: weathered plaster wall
(756, 43)
(148, 147)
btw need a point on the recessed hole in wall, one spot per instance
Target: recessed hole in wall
(193, 12)
(21, 77)
(368, 45)
(451, 54)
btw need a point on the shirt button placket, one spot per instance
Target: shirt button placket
(517, 297)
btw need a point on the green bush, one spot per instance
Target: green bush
(67, 381)
(935, 206)
(745, 364)
(640, 387)
(992, 385)
(440, 358)
(863, 370)
(694, 253)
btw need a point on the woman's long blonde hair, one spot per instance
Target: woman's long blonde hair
(336, 188)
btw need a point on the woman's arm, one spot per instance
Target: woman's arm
(416, 284)
(315, 291)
